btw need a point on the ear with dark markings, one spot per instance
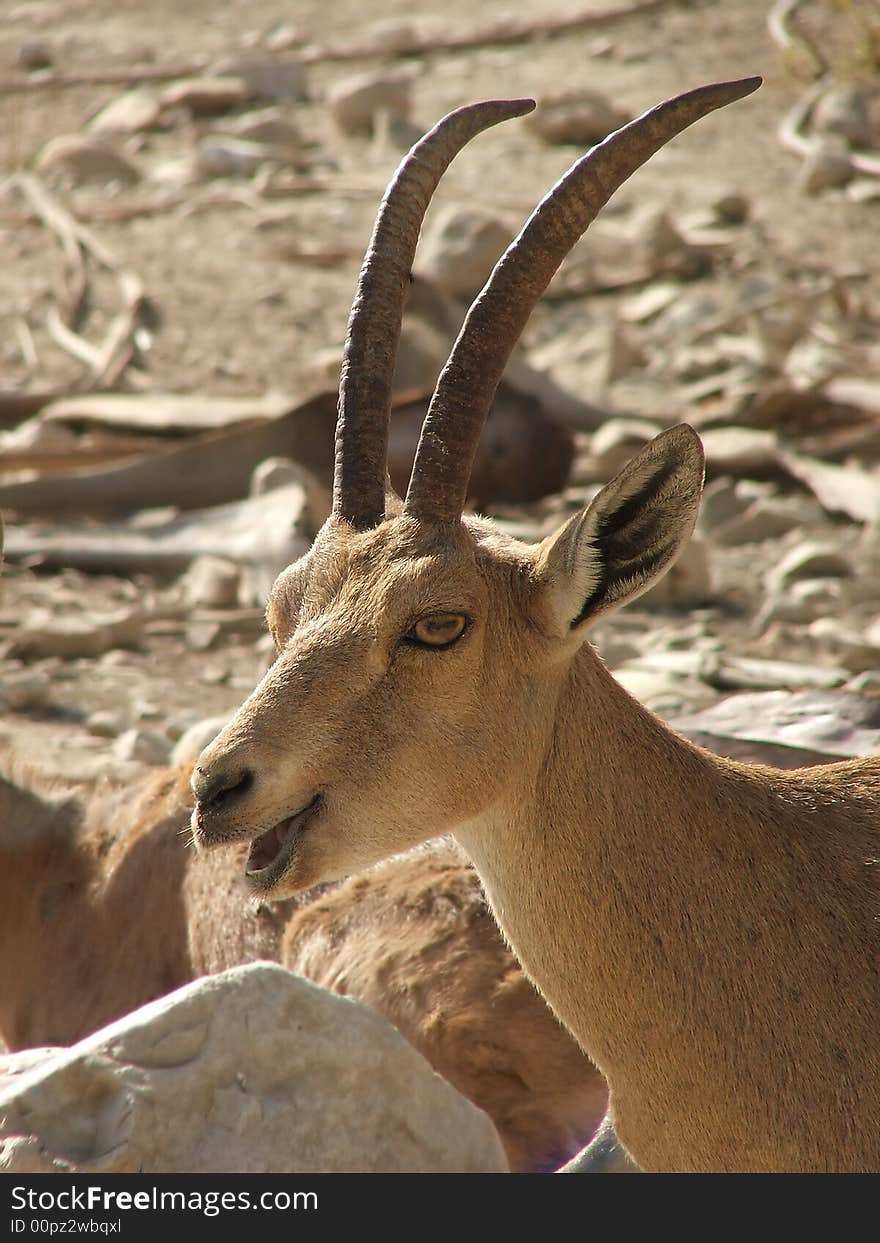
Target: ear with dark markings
(629, 535)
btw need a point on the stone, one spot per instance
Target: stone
(827, 165)
(843, 110)
(720, 502)
(762, 520)
(731, 208)
(34, 54)
(355, 102)
(615, 442)
(270, 126)
(583, 117)
(687, 583)
(827, 725)
(803, 601)
(740, 451)
(662, 692)
(195, 738)
(809, 559)
(143, 746)
(40, 435)
(851, 649)
(232, 157)
(206, 97)
(665, 252)
(460, 248)
(29, 689)
(84, 159)
(267, 77)
(254, 1070)
(130, 113)
(210, 583)
(283, 37)
(104, 724)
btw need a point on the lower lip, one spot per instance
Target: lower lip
(265, 877)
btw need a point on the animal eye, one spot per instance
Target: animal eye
(438, 629)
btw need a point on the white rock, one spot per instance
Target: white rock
(827, 165)
(141, 745)
(269, 125)
(834, 723)
(29, 689)
(740, 450)
(84, 159)
(130, 113)
(762, 520)
(461, 247)
(251, 1071)
(105, 724)
(267, 77)
(355, 102)
(688, 582)
(854, 651)
(615, 442)
(843, 110)
(195, 738)
(284, 36)
(34, 54)
(803, 601)
(206, 96)
(39, 434)
(721, 501)
(731, 207)
(211, 583)
(810, 559)
(583, 117)
(222, 156)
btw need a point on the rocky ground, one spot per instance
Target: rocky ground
(187, 191)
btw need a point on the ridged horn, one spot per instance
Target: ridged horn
(467, 384)
(377, 311)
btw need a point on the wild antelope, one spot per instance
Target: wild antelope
(708, 930)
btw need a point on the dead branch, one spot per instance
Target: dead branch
(16, 406)
(505, 31)
(26, 344)
(60, 222)
(118, 348)
(103, 77)
(790, 38)
(71, 342)
(108, 361)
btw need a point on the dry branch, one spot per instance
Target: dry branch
(103, 77)
(108, 361)
(789, 38)
(504, 31)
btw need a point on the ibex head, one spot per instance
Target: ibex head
(420, 652)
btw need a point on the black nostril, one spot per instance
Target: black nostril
(213, 792)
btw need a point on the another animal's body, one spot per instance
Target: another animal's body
(709, 931)
(103, 908)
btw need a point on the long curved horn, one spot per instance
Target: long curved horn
(466, 388)
(377, 311)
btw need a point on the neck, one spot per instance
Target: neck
(646, 887)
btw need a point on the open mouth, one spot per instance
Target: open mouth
(271, 852)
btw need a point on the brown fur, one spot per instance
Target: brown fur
(103, 907)
(709, 931)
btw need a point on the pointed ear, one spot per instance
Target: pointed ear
(629, 535)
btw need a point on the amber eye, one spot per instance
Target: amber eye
(438, 629)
